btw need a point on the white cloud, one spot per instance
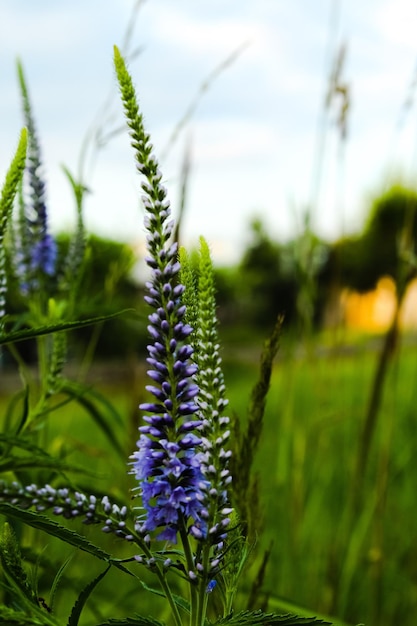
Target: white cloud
(209, 37)
(42, 29)
(396, 21)
(254, 129)
(232, 140)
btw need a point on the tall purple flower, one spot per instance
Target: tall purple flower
(168, 463)
(37, 250)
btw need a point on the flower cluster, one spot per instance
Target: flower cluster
(167, 463)
(36, 249)
(7, 196)
(212, 403)
(69, 504)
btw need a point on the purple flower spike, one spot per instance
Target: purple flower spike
(36, 249)
(168, 460)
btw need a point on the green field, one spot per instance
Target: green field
(336, 549)
(353, 561)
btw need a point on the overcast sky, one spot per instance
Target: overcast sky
(254, 134)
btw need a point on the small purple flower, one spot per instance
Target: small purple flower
(36, 250)
(44, 255)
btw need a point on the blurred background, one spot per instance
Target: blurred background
(279, 126)
(249, 82)
(287, 135)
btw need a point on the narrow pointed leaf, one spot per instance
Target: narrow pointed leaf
(137, 620)
(259, 618)
(81, 395)
(11, 182)
(74, 618)
(51, 527)
(15, 463)
(17, 618)
(29, 333)
(57, 580)
(179, 601)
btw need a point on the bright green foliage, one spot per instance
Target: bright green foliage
(18, 618)
(133, 116)
(246, 441)
(73, 268)
(239, 552)
(132, 621)
(188, 277)
(255, 618)
(83, 597)
(51, 527)
(27, 609)
(11, 183)
(11, 561)
(207, 318)
(10, 187)
(196, 577)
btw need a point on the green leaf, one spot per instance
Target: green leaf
(29, 333)
(13, 176)
(11, 561)
(278, 604)
(40, 522)
(83, 597)
(21, 396)
(38, 457)
(80, 394)
(57, 580)
(24, 443)
(78, 188)
(16, 463)
(179, 601)
(138, 620)
(25, 412)
(17, 618)
(188, 277)
(255, 618)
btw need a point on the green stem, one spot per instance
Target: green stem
(190, 568)
(163, 582)
(91, 348)
(205, 560)
(168, 594)
(24, 371)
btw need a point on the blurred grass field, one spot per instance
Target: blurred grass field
(359, 567)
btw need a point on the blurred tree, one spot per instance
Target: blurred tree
(388, 237)
(106, 286)
(106, 272)
(266, 287)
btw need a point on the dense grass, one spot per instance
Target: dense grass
(328, 554)
(355, 563)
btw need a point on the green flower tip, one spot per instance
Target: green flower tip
(205, 250)
(125, 82)
(13, 176)
(117, 54)
(21, 77)
(23, 142)
(119, 63)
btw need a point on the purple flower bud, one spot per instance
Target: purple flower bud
(187, 408)
(178, 291)
(211, 585)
